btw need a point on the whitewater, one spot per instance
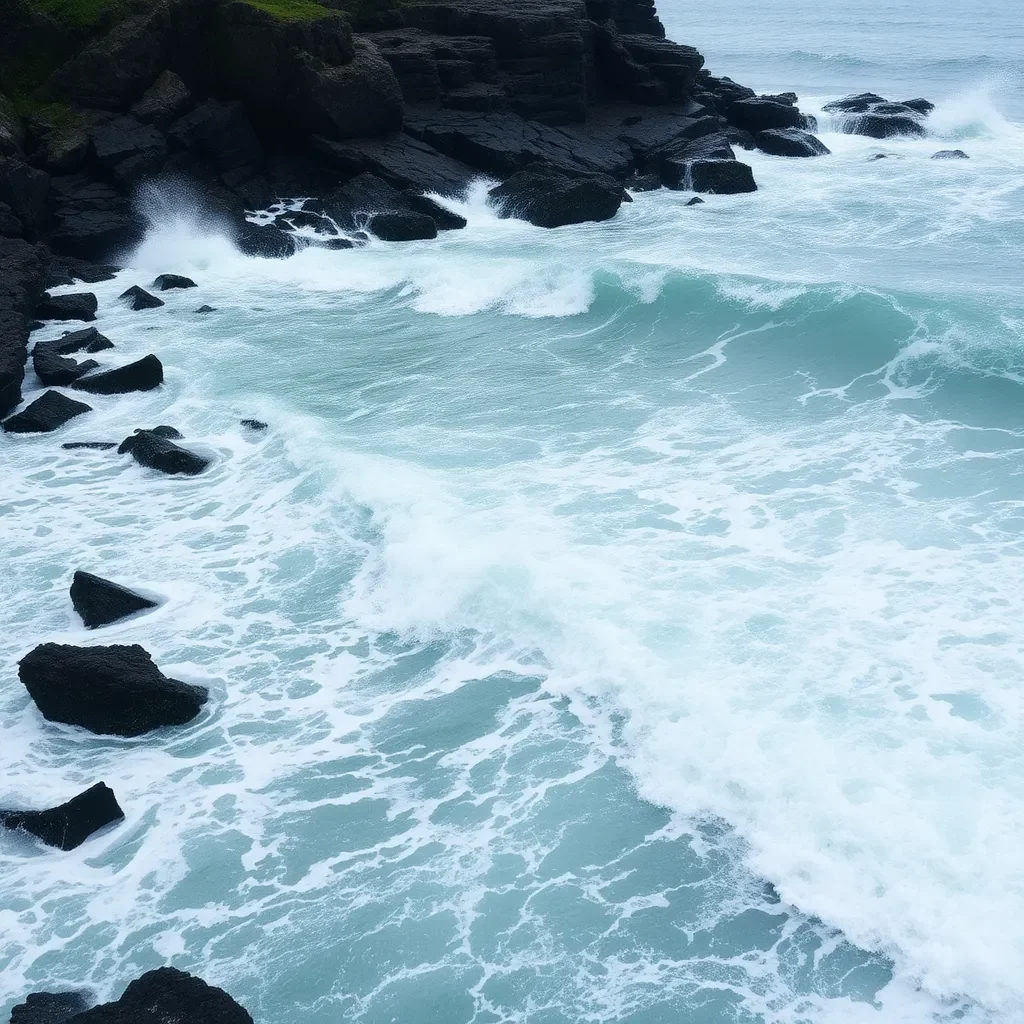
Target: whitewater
(615, 623)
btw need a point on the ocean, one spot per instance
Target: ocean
(619, 623)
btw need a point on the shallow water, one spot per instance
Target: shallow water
(616, 623)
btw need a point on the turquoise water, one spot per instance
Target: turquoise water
(617, 623)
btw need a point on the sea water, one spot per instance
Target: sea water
(614, 623)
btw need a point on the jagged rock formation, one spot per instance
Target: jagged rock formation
(69, 825)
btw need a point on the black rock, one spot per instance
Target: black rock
(45, 414)
(165, 996)
(644, 183)
(55, 370)
(401, 227)
(138, 298)
(922, 106)
(760, 114)
(695, 201)
(167, 282)
(883, 126)
(49, 1008)
(128, 149)
(70, 824)
(100, 602)
(790, 142)
(167, 98)
(265, 240)
(723, 177)
(115, 690)
(144, 374)
(68, 270)
(336, 242)
(445, 219)
(88, 339)
(165, 431)
(950, 154)
(206, 309)
(102, 446)
(854, 104)
(75, 306)
(254, 424)
(222, 135)
(301, 219)
(162, 454)
(10, 225)
(550, 198)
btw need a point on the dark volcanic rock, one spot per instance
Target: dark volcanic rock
(695, 201)
(168, 996)
(167, 98)
(445, 219)
(854, 104)
(115, 690)
(70, 824)
(144, 374)
(160, 453)
(920, 105)
(549, 198)
(101, 446)
(266, 240)
(74, 306)
(165, 431)
(128, 149)
(100, 602)
(55, 370)
(723, 177)
(221, 134)
(167, 282)
(760, 114)
(138, 298)
(10, 226)
(790, 142)
(950, 154)
(206, 309)
(26, 191)
(22, 273)
(401, 227)
(254, 424)
(68, 270)
(49, 1008)
(88, 339)
(45, 414)
(883, 126)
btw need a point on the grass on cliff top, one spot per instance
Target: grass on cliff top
(84, 14)
(292, 10)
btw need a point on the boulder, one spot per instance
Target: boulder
(49, 1008)
(167, 995)
(222, 135)
(128, 149)
(883, 126)
(854, 104)
(73, 306)
(91, 220)
(401, 227)
(68, 270)
(144, 374)
(950, 154)
(115, 690)
(45, 414)
(100, 602)
(361, 98)
(101, 446)
(266, 240)
(165, 431)
(86, 340)
(10, 225)
(674, 162)
(138, 298)
(695, 201)
(445, 219)
(206, 309)
(55, 370)
(920, 105)
(160, 453)
(26, 190)
(790, 142)
(70, 824)
(722, 177)
(168, 282)
(759, 114)
(167, 98)
(254, 424)
(550, 198)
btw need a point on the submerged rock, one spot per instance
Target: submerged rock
(790, 142)
(950, 154)
(168, 996)
(168, 282)
(101, 446)
(45, 414)
(50, 1008)
(138, 298)
(695, 201)
(100, 602)
(549, 198)
(206, 309)
(265, 240)
(254, 424)
(884, 126)
(115, 690)
(155, 452)
(70, 824)
(74, 306)
(144, 374)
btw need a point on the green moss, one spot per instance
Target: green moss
(292, 10)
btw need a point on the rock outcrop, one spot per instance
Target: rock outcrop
(115, 690)
(144, 374)
(70, 824)
(100, 602)
(46, 414)
(153, 449)
(49, 1008)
